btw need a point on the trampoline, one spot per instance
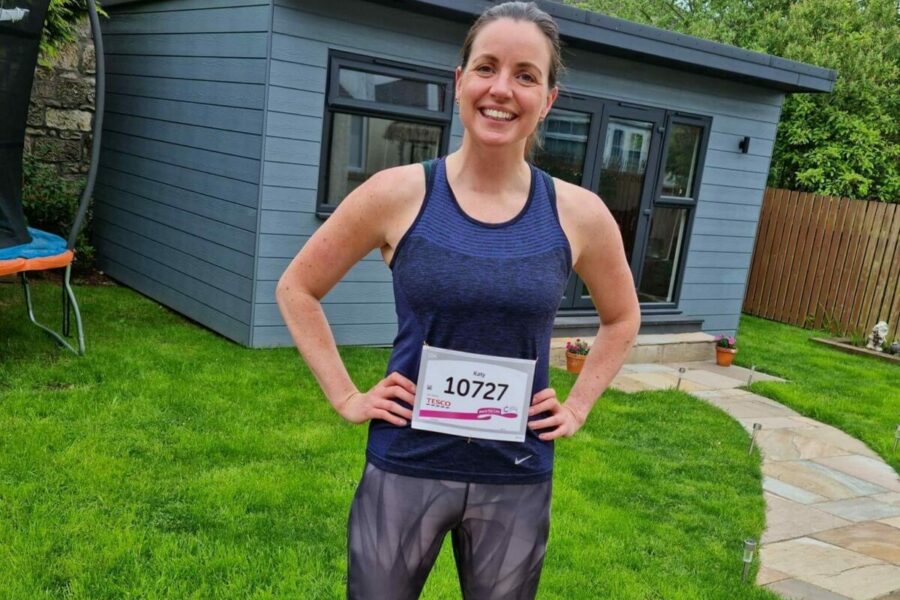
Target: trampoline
(24, 249)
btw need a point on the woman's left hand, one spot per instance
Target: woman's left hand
(563, 421)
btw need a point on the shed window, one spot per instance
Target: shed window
(379, 114)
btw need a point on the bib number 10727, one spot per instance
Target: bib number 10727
(467, 388)
(473, 395)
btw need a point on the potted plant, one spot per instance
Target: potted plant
(726, 348)
(576, 353)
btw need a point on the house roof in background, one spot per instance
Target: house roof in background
(617, 37)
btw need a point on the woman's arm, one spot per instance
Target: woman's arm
(361, 223)
(599, 259)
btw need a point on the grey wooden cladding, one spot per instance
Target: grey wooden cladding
(363, 313)
(205, 183)
(230, 20)
(346, 292)
(178, 188)
(233, 70)
(178, 5)
(350, 335)
(239, 45)
(203, 270)
(185, 241)
(228, 118)
(164, 274)
(210, 207)
(217, 93)
(206, 161)
(173, 298)
(371, 271)
(215, 140)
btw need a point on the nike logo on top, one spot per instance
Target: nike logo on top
(519, 461)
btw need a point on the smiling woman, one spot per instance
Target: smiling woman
(481, 245)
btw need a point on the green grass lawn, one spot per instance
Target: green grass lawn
(857, 394)
(171, 463)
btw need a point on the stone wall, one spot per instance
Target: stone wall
(62, 108)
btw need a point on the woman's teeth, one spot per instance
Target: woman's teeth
(497, 114)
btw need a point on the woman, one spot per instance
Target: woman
(480, 244)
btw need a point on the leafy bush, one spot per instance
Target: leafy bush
(59, 26)
(51, 203)
(846, 143)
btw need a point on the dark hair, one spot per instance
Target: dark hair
(520, 11)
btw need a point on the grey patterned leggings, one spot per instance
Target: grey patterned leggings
(397, 525)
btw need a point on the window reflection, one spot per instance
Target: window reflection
(681, 160)
(564, 137)
(362, 145)
(385, 89)
(625, 153)
(663, 253)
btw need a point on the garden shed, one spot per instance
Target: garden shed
(234, 127)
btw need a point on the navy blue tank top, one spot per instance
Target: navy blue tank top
(489, 288)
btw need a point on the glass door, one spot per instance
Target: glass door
(616, 150)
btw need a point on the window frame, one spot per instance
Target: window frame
(334, 103)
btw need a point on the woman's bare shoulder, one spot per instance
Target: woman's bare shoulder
(583, 216)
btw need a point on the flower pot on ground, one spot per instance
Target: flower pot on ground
(726, 348)
(576, 353)
(575, 362)
(724, 356)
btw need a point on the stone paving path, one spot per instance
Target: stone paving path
(832, 505)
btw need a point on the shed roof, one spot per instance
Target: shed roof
(601, 33)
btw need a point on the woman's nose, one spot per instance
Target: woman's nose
(501, 88)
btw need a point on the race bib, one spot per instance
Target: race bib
(473, 395)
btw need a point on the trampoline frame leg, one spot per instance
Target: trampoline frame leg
(68, 303)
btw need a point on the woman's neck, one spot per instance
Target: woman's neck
(488, 169)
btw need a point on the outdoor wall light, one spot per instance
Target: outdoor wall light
(756, 428)
(744, 144)
(749, 549)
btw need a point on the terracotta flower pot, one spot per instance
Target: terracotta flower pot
(575, 362)
(724, 356)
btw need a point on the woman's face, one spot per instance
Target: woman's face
(503, 91)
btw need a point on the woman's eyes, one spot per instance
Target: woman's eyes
(524, 76)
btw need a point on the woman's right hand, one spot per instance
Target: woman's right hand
(379, 403)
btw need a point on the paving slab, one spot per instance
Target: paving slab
(820, 479)
(796, 589)
(860, 509)
(790, 492)
(863, 583)
(765, 575)
(648, 368)
(893, 522)
(874, 539)
(662, 381)
(734, 371)
(865, 468)
(889, 498)
(712, 380)
(809, 559)
(795, 444)
(787, 520)
(778, 422)
(744, 407)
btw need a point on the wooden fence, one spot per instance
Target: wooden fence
(826, 262)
